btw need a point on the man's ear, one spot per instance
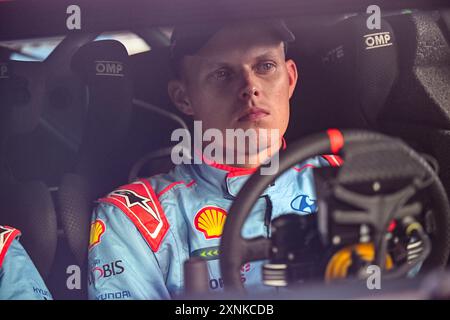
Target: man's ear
(177, 93)
(293, 76)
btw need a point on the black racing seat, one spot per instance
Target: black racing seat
(25, 204)
(122, 125)
(347, 80)
(418, 109)
(100, 164)
(395, 80)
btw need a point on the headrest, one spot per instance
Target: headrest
(103, 65)
(104, 60)
(22, 95)
(360, 67)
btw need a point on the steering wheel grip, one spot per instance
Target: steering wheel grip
(235, 250)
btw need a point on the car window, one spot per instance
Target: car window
(39, 49)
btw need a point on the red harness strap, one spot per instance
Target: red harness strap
(333, 160)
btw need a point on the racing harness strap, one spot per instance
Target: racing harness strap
(333, 160)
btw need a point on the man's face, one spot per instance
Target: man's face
(239, 79)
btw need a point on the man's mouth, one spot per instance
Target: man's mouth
(253, 114)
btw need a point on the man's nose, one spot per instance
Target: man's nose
(249, 87)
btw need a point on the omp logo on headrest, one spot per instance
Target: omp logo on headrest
(4, 72)
(109, 68)
(378, 40)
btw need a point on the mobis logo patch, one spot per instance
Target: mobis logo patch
(105, 271)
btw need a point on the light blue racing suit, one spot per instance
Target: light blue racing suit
(19, 278)
(142, 233)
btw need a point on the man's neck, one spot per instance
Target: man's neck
(249, 160)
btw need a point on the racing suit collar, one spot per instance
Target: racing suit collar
(228, 178)
(232, 178)
(230, 170)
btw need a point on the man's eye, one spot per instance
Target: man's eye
(266, 67)
(222, 74)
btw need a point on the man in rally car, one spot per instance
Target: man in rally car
(19, 278)
(234, 76)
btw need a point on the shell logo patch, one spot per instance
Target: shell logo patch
(97, 230)
(210, 220)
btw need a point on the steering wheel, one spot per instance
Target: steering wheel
(236, 251)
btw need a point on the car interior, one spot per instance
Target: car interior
(69, 137)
